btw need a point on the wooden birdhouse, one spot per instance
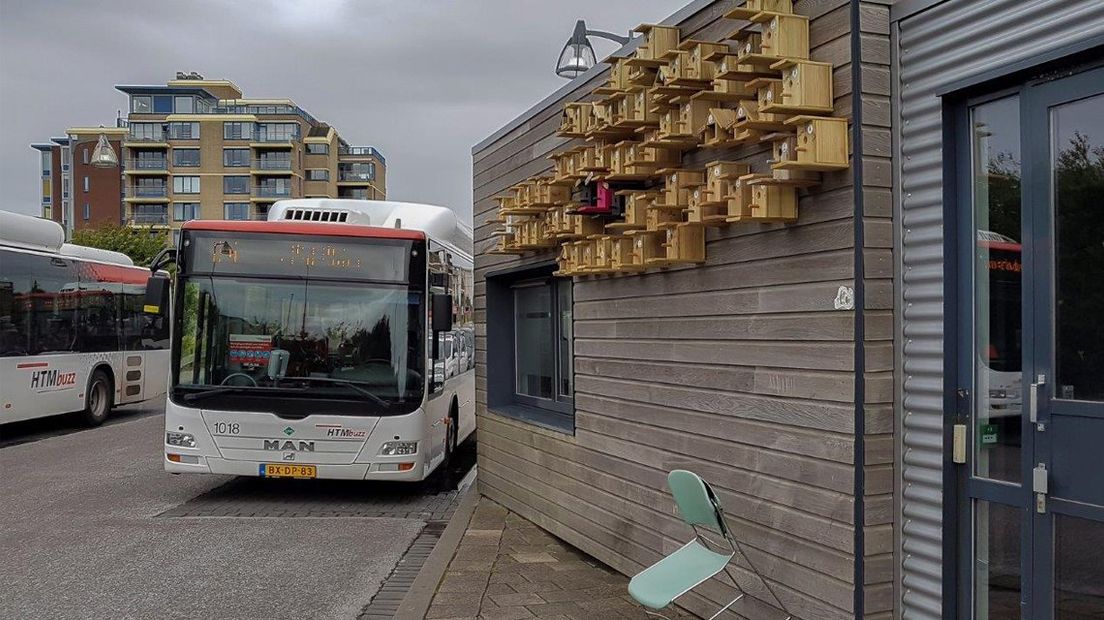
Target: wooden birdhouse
(618, 76)
(785, 36)
(718, 129)
(685, 243)
(566, 261)
(576, 120)
(751, 8)
(784, 149)
(622, 257)
(739, 200)
(771, 201)
(748, 117)
(648, 248)
(719, 177)
(635, 111)
(603, 253)
(821, 144)
(692, 117)
(586, 226)
(698, 65)
(806, 88)
(658, 40)
(635, 212)
(548, 194)
(676, 189)
(675, 72)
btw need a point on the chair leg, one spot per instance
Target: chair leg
(730, 604)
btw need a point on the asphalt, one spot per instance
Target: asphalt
(80, 537)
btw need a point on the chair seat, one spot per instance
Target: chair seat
(659, 584)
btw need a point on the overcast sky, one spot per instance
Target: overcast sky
(422, 81)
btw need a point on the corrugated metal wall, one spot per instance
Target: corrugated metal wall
(936, 47)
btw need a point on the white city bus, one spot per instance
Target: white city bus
(73, 335)
(320, 343)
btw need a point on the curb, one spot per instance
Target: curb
(417, 600)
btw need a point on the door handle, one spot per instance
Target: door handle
(1033, 398)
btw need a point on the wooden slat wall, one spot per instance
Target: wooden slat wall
(740, 369)
(878, 595)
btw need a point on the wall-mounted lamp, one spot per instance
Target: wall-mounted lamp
(578, 56)
(103, 156)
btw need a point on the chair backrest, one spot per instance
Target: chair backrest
(696, 501)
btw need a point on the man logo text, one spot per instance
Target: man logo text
(300, 446)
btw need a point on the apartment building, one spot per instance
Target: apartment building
(75, 193)
(196, 148)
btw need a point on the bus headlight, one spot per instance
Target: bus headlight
(183, 440)
(398, 448)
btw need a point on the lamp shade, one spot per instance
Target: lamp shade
(103, 156)
(577, 56)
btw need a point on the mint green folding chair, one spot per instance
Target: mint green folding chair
(697, 561)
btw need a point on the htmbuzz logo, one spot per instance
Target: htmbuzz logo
(44, 380)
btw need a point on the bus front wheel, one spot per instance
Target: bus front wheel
(99, 399)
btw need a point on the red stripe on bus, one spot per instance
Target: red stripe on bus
(305, 228)
(33, 365)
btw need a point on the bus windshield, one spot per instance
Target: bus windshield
(268, 343)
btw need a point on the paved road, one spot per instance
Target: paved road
(92, 527)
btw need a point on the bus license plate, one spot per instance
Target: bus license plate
(280, 470)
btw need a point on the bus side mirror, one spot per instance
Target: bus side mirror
(442, 312)
(157, 295)
(277, 364)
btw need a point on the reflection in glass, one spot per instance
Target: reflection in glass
(1078, 168)
(995, 146)
(534, 349)
(1078, 569)
(563, 307)
(996, 561)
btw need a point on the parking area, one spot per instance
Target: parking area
(94, 528)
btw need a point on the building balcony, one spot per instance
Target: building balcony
(265, 191)
(148, 219)
(146, 166)
(357, 178)
(268, 141)
(146, 194)
(270, 166)
(147, 140)
(360, 151)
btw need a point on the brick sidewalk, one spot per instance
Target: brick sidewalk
(506, 568)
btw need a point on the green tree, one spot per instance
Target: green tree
(139, 244)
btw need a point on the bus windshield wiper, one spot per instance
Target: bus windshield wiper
(352, 385)
(215, 391)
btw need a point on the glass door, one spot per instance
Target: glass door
(1031, 376)
(1065, 185)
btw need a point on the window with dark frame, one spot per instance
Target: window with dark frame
(529, 348)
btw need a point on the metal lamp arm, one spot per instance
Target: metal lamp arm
(608, 35)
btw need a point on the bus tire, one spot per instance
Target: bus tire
(443, 474)
(99, 399)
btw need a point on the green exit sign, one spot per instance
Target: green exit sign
(988, 434)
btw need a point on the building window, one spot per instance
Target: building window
(47, 164)
(86, 185)
(277, 132)
(318, 149)
(184, 211)
(84, 155)
(47, 200)
(186, 158)
(237, 131)
(236, 211)
(235, 158)
(141, 104)
(146, 132)
(184, 131)
(318, 175)
(162, 104)
(365, 171)
(185, 185)
(87, 211)
(529, 339)
(184, 105)
(235, 185)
